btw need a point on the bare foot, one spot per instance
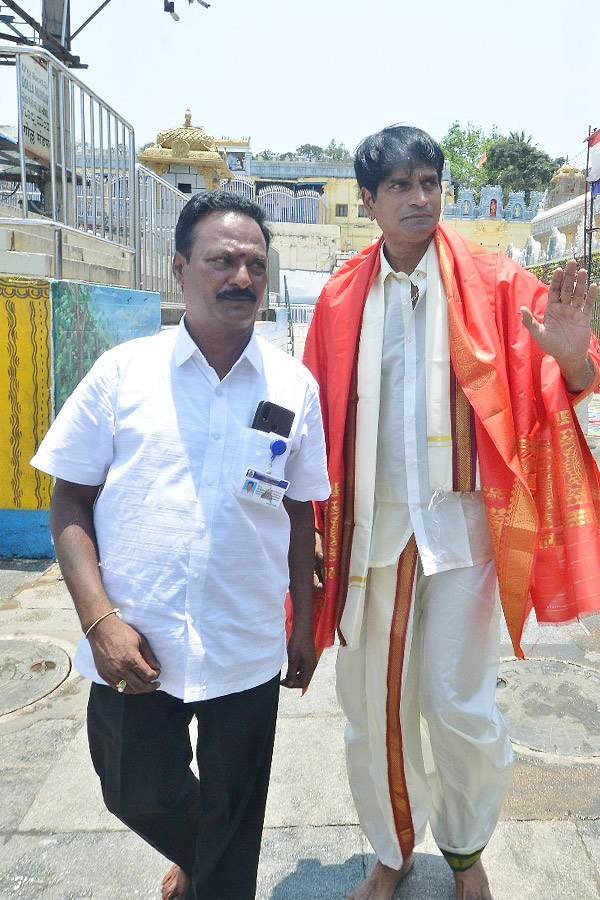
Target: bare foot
(382, 882)
(472, 884)
(175, 884)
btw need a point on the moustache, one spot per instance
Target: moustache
(241, 294)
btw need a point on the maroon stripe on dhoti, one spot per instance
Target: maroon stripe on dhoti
(407, 565)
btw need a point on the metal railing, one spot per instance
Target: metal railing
(76, 157)
(70, 144)
(157, 213)
(301, 313)
(11, 194)
(282, 204)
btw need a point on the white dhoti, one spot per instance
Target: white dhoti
(424, 739)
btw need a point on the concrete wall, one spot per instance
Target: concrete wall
(300, 332)
(311, 247)
(358, 236)
(50, 334)
(345, 192)
(493, 234)
(275, 328)
(356, 231)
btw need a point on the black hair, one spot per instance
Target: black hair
(397, 145)
(202, 205)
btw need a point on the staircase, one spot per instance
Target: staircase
(30, 250)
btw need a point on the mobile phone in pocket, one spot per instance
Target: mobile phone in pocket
(271, 417)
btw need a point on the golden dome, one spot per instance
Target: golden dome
(186, 134)
(566, 183)
(186, 146)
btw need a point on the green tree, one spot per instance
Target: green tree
(310, 152)
(80, 336)
(519, 137)
(517, 165)
(465, 149)
(334, 152)
(266, 155)
(338, 153)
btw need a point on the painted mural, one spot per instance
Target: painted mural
(51, 333)
(88, 319)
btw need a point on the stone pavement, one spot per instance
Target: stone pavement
(57, 842)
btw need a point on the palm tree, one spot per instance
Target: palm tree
(519, 138)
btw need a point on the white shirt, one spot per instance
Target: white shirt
(200, 570)
(450, 528)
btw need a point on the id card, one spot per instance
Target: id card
(257, 487)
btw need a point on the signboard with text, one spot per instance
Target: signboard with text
(35, 108)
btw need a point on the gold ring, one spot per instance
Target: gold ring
(121, 685)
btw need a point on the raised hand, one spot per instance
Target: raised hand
(565, 329)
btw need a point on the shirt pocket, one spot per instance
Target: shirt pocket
(254, 452)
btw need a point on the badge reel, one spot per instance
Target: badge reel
(264, 487)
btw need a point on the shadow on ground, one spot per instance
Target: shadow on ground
(430, 879)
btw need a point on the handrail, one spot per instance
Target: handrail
(7, 52)
(78, 172)
(156, 216)
(57, 117)
(32, 222)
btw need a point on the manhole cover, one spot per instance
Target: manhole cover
(29, 670)
(551, 706)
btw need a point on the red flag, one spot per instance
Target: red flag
(593, 174)
(483, 159)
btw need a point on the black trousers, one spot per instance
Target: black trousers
(211, 827)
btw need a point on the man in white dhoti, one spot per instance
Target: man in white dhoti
(430, 390)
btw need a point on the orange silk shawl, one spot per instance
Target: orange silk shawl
(540, 483)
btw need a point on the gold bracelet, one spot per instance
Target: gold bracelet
(117, 613)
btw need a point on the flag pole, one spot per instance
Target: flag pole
(591, 232)
(589, 229)
(585, 203)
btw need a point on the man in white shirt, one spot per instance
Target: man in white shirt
(177, 572)
(446, 375)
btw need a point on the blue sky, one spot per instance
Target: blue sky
(285, 72)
